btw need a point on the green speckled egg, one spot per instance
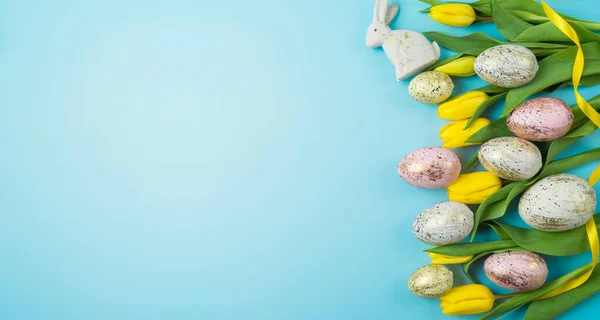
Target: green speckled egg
(430, 281)
(431, 87)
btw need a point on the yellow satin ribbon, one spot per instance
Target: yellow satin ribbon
(590, 226)
(566, 28)
(595, 177)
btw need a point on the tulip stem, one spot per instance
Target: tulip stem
(505, 296)
(484, 19)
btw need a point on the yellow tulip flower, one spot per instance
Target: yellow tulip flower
(461, 67)
(467, 299)
(454, 134)
(462, 107)
(444, 259)
(473, 188)
(456, 14)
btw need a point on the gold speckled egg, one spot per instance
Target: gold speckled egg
(430, 281)
(431, 87)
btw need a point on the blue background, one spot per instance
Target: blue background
(214, 160)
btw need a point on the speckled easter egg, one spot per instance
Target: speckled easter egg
(506, 66)
(430, 281)
(518, 271)
(431, 87)
(510, 158)
(444, 223)
(431, 167)
(558, 203)
(541, 119)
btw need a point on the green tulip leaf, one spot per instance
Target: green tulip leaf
(583, 130)
(561, 144)
(554, 69)
(557, 146)
(548, 32)
(491, 204)
(522, 5)
(491, 90)
(471, 163)
(507, 24)
(529, 17)
(586, 81)
(472, 248)
(566, 164)
(541, 53)
(495, 129)
(528, 10)
(472, 44)
(498, 209)
(541, 45)
(565, 243)
(516, 29)
(484, 106)
(592, 26)
(499, 231)
(475, 43)
(553, 307)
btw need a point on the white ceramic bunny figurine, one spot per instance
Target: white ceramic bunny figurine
(409, 51)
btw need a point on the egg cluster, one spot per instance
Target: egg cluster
(556, 203)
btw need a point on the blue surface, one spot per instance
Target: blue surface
(214, 160)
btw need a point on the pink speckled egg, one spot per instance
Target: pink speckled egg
(431, 167)
(541, 119)
(518, 271)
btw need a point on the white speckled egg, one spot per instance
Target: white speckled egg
(430, 281)
(431, 87)
(506, 66)
(518, 271)
(444, 223)
(430, 168)
(510, 158)
(558, 203)
(541, 119)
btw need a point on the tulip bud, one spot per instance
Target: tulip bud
(462, 107)
(473, 188)
(467, 299)
(454, 134)
(456, 14)
(444, 259)
(461, 67)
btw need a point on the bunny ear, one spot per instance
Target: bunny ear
(392, 10)
(380, 11)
